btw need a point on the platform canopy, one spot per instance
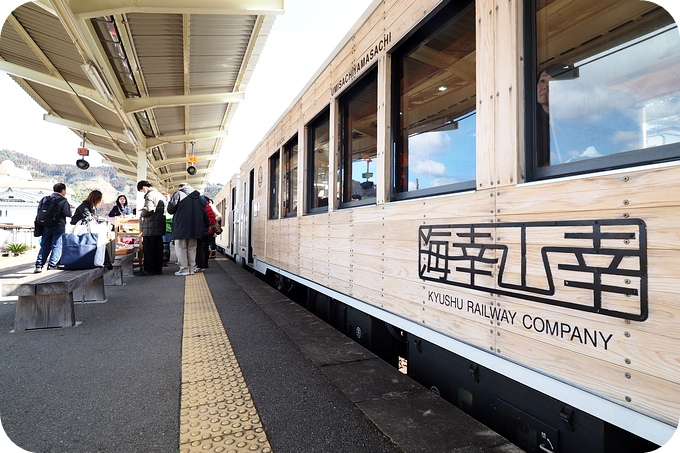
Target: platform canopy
(150, 84)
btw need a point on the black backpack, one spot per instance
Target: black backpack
(48, 212)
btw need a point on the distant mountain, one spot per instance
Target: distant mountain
(103, 177)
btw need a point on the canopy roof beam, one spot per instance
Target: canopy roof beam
(87, 9)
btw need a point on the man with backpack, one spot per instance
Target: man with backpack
(52, 212)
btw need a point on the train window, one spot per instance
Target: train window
(290, 178)
(317, 162)
(434, 96)
(358, 145)
(604, 91)
(274, 165)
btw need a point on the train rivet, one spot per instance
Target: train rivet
(626, 202)
(627, 361)
(626, 178)
(626, 334)
(627, 281)
(627, 375)
(629, 399)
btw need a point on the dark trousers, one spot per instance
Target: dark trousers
(202, 252)
(153, 254)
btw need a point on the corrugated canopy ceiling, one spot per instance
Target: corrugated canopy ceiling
(150, 84)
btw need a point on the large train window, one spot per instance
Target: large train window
(317, 162)
(605, 91)
(358, 144)
(290, 178)
(434, 97)
(274, 165)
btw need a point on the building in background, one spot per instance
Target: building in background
(19, 198)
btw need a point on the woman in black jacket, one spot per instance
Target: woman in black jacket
(121, 207)
(88, 208)
(88, 211)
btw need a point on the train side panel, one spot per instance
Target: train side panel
(575, 279)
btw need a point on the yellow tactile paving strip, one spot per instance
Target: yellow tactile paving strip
(216, 411)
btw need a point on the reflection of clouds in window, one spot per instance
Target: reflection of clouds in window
(644, 51)
(430, 167)
(426, 151)
(578, 102)
(428, 144)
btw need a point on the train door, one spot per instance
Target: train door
(232, 217)
(249, 229)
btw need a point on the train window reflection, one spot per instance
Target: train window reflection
(606, 86)
(318, 160)
(359, 152)
(274, 165)
(290, 178)
(434, 81)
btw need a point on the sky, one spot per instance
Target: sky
(300, 41)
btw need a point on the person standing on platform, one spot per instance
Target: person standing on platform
(50, 245)
(152, 225)
(121, 208)
(203, 245)
(167, 237)
(87, 212)
(189, 222)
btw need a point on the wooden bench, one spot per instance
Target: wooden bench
(46, 300)
(122, 267)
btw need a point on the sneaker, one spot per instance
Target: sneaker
(181, 273)
(38, 269)
(198, 269)
(51, 268)
(108, 265)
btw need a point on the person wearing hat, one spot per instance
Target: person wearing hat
(152, 225)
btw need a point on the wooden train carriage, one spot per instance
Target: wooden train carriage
(226, 202)
(426, 176)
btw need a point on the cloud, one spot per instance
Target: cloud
(430, 167)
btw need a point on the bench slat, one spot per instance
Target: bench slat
(52, 282)
(68, 281)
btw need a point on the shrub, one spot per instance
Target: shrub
(16, 248)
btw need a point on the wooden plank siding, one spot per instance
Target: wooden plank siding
(371, 253)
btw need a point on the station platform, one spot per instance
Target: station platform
(216, 361)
